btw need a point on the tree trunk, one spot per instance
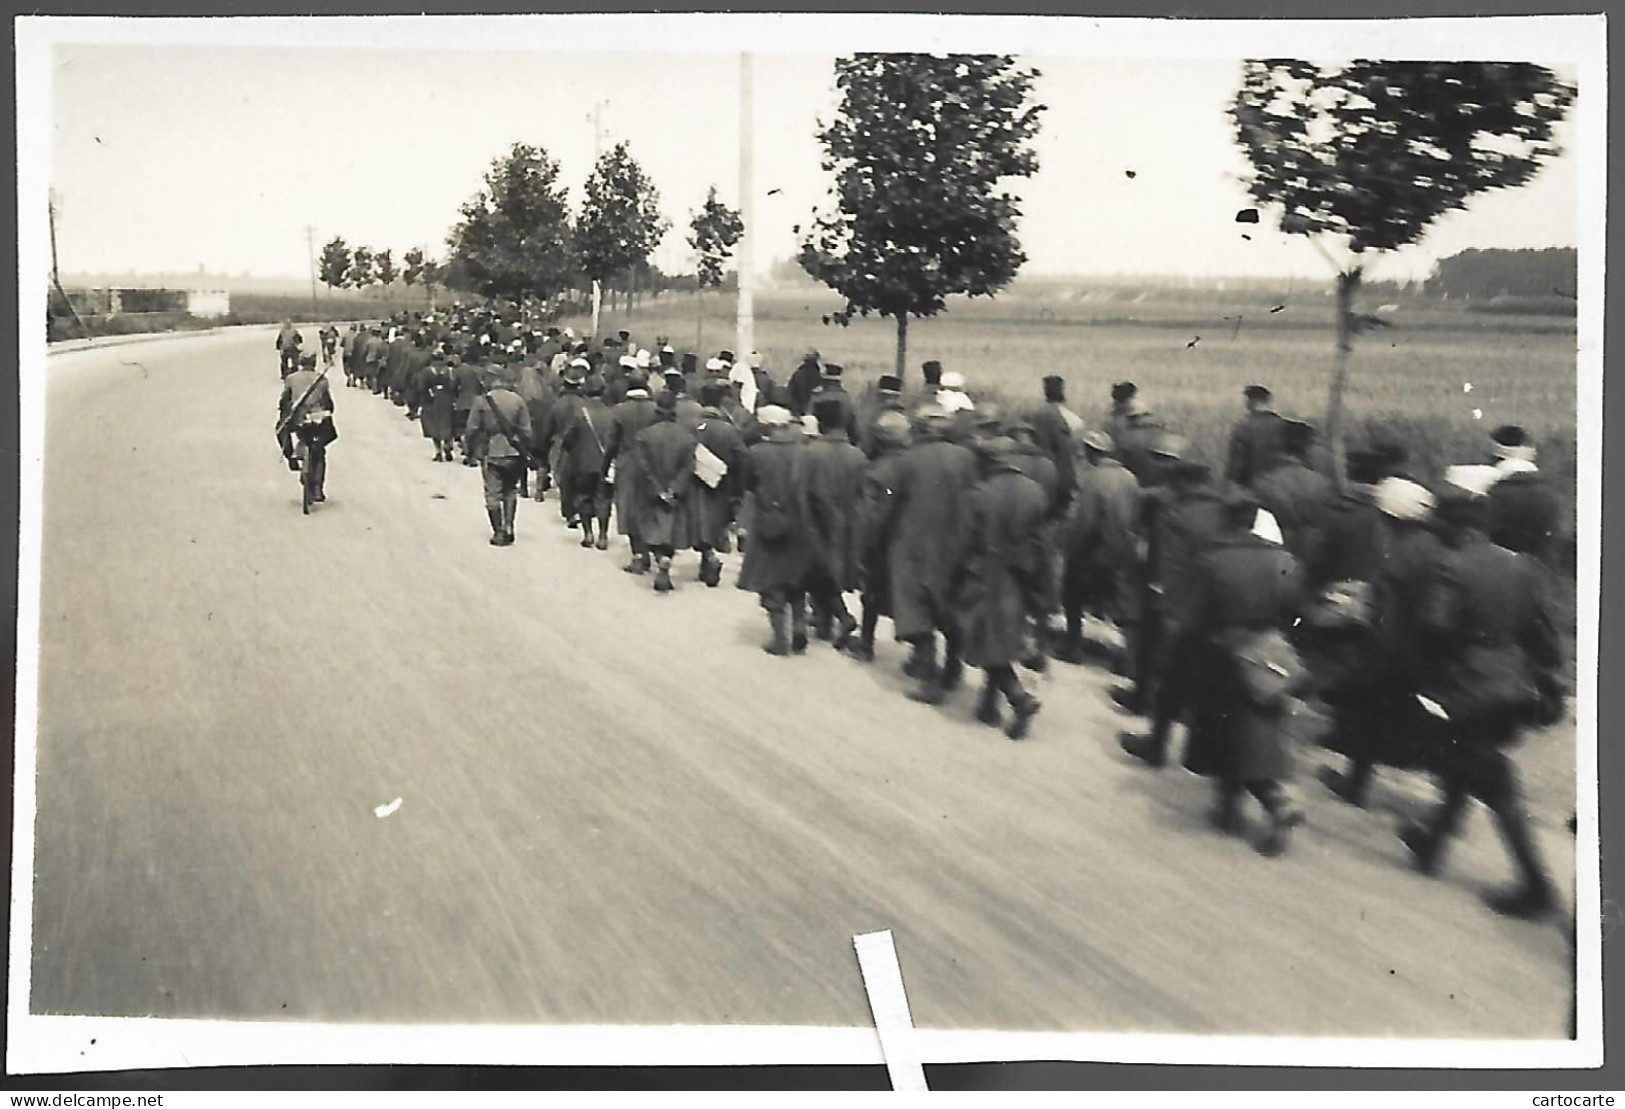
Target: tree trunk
(597, 305)
(902, 343)
(1348, 283)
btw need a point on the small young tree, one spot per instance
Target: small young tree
(620, 223)
(334, 264)
(713, 232)
(363, 270)
(384, 263)
(412, 271)
(1366, 156)
(918, 149)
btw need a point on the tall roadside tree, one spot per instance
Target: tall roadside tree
(620, 222)
(514, 235)
(1361, 158)
(919, 149)
(334, 264)
(384, 266)
(713, 232)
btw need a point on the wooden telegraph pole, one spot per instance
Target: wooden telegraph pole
(745, 340)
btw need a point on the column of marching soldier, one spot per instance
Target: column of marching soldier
(1398, 622)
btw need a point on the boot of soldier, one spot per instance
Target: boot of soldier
(1225, 815)
(495, 516)
(930, 691)
(798, 626)
(710, 569)
(510, 509)
(922, 658)
(864, 649)
(663, 574)
(987, 704)
(1284, 816)
(1533, 896)
(602, 542)
(639, 563)
(1427, 842)
(779, 620)
(586, 531)
(1349, 785)
(1071, 647)
(845, 625)
(953, 669)
(1023, 705)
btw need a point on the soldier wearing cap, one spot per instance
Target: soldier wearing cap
(627, 419)
(665, 453)
(1244, 591)
(830, 388)
(1258, 443)
(1496, 664)
(466, 390)
(1005, 584)
(498, 434)
(831, 487)
(920, 516)
(435, 413)
(1055, 426)
(581, 455)
(775, 563)
(1179, 517)
(305, 410)
(1133, 427)
(1524, 512)
(1099, 543)
(1298, 497)
(804, 381)
(713, 507)
(560, 417)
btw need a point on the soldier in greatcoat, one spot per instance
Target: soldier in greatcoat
(1497, 661)
(1004, 583)
(559, 416)
(921, 518)
(713, 508)
(890, 435)
(435, 413)
(465, 390)
(775, 563)
(665, 453)
(1297, 496)
(1258, 442)
(1242, 587)
(1055, 426)
(1099, 547)
(626, 420)
(581, 455)
(832, 495)
(1180, 516)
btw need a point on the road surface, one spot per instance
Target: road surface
(614, 807)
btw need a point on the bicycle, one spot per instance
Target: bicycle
(311, 450)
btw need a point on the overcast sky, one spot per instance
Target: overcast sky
(169, 158)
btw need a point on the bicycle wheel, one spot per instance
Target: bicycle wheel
(307, 479)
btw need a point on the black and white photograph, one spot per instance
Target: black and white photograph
(817, 539)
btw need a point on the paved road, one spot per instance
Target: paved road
(615, 808)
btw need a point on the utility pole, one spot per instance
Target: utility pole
(745, 341)
(597, 152)
(310, 245)
(56, 278)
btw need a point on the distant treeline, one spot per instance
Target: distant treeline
(1483, 274)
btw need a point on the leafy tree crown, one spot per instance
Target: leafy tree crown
(919, 148)
(620, 223)
(713, 233)
(514, 236)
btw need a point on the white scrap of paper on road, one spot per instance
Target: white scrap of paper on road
(387, 810)
(883, 981)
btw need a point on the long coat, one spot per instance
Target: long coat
(772, 468)
(1053, 425)
(665, 452)
(832, 497)
(435, 413)
(466, 386)
(1098, 533)
(1352, 539)
(1006, 566)
(873, 543)
(559, 417)
(1496, 646)
(1241, 586)
(1257, 446)
(581, 446)
(1525, 514)
(626, 420)
(921, 517)
(833, 390)
(1300, 500)
(710, 511)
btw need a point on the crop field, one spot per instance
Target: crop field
(1437, 378)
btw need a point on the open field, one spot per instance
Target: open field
(1409, 379)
